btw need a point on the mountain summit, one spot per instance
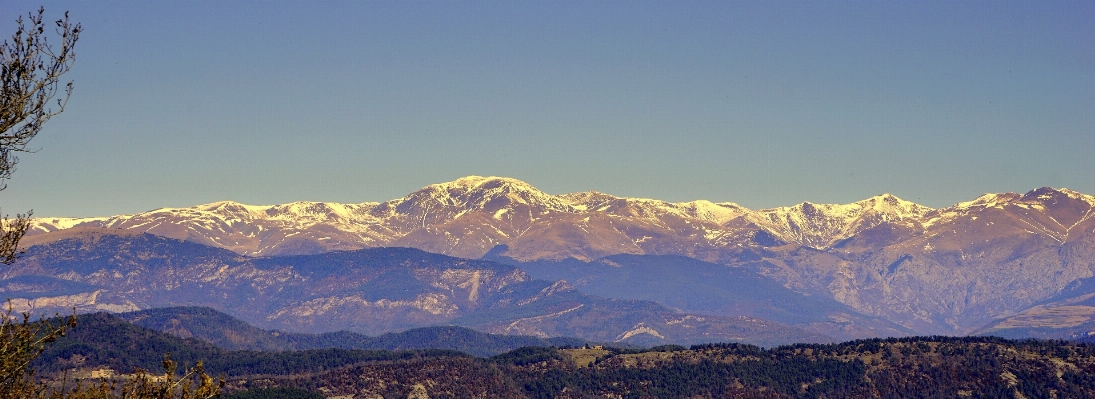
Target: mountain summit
(820, 226)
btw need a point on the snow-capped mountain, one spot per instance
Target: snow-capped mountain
(821, 226)
(948, 270)
(471, 215)
(955, 269)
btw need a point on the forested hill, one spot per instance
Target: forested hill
(101, 340)
(227, 332)
(923, 367)
(933, 367)
(192, 333)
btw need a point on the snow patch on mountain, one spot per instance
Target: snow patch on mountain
(640, 328)
(1089, 199)
(45, 225)
(822, 225)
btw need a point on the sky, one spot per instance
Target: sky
(760, 103)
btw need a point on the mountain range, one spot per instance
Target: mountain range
(370, 291)
(470, 216)
(987, 265)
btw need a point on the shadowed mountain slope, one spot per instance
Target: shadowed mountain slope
(230, 333)
(370, 291)
(699, 287)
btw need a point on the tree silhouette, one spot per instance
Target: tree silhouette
(30, 73)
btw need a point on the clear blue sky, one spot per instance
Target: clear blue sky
(761, 103)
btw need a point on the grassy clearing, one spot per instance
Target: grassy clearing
(584, 357)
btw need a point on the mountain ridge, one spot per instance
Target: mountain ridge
(230, 333)
(947, 270)
(370, 291)
(498, 199)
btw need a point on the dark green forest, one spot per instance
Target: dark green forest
(921, 367)
(101, 340)
(917, 367)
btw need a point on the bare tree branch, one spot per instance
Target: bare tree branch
(30, 73)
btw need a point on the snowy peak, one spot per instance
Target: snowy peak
(1056, 212)
(319, 211)
(302, 212)
(1053, 213)
(822, 225)
(588, 200)
(1049, 196)
(893, 208)
(45, 225)
(719, 213)
(1038, 198)
(989, 200)
(1089, 199)
(463, 189)
(228, 207)
(593, 201)
(1042, 199)
(475, 193)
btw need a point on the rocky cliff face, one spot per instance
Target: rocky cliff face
(935, 271)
